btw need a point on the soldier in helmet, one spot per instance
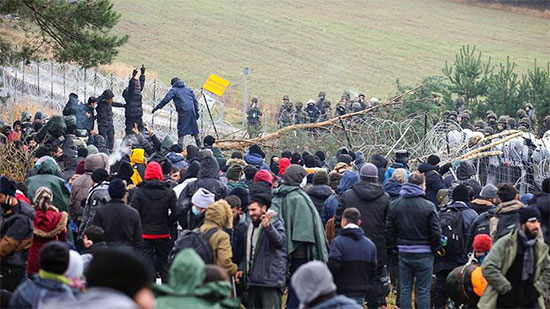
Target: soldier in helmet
(502, 123)
(312, 111)
(323, 105)
(525, 124)
(512, 124)
(545, 126)
(530, 111)
(521, 114)
(342, 106)
(300, 116)
(464, 120)
(479, 126)
(373, 102)
(459, 105)
(361, 101)
(491, 119)
(285, 113)
(254, 119)
(453, 116)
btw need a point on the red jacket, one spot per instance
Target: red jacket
(48, 226)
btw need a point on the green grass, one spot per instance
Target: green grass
(302, 47)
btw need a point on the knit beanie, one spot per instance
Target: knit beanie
(80, 167)
(321, 155)
(489, 191)
(264, 175)
(369, 171)
(117, 189)
(528, 213)
(234, 172)
(7, 186)
(321, 178)
(202, 198)
(243, 195)
(100, 175)
(345, 158)
(482, 243)
(250, 172)
(309, 161)
(433, 160)
(461, 193)
(312, 280)
(54, 257)
(176, 148)
(76, 266)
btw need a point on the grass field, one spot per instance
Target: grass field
(302, 47)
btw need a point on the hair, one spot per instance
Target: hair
(175, 169)
(215, 273)
(506, 192)
(352, 215)
(94, 233)
(417, 179)
(21, 186)
(399, 175)
(236, 155)
(233, 201)
(546, 185)
(286, 154)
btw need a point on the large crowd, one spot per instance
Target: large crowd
(156, 223)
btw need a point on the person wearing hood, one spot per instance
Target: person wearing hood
(49, 225)
(395, 183)
(359, 161)
(72, 107)
(255, 156)
(219, 216)
(306, 240)
(188, 287)
(175, 156)
(332, 212)
(506, 215)
(372, 201)
(413, 229)
(98, 196)
(81, 186)
(264, 268)
(187, 108)
(138, 162)
(434, 181)
(353, 258)
(320, 191)
(156, 203)
(133, 109)
(16, 230)
(401, 161)
(453, 256)
(209, 141)
(104, 109)
(315, 288)
(331, 162)
(541, 200)
(51, 284)
(284, 163)
(465, 173)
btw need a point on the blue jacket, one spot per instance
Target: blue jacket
(256, 160)
(329, 208)
(352, 261)
(177, 160)
(393, 189)
(186, 106)
(34, 294)
(392, 168)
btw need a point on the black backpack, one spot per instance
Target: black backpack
(506, 223)
(194, 240)
(452, 226)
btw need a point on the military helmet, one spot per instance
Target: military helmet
(361, 95)
(479, 124)
(322, 94)
(453, 113)
(521, 113)
(374, 100)
(512, 122)
(488, 131)
(547, 118)
(310, 102)
(503, 119)
(487, 113)
(529, 105)
(254, 100)
(525, 121)
(492, 114)
(464, 115)
(298, 105)
(285, 97)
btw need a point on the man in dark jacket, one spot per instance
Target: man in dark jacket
(381, 164)
(156, 203)
(133, 109)
(51, 285)
(434, 181)
(16, 232)
(320, 191)
(541, 200)
(352, 258)
(187, 108)
(372, 201)
(453, 256)
(104, 117)
(85, 117)
(72, 108)
(265, 265)
(120, 223)
(413, 228)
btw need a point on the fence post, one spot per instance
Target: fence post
(95, 81)
(85, 85)
(23, 83)
(111, 86)
(64, 88)
(38, 76)
(51, 81)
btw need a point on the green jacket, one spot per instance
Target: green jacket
(55, 127)
(186, 288)
(496, 265)
(302, 221)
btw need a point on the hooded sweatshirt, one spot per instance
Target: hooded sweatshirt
(137, 160)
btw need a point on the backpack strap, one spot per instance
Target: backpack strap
(210, 232)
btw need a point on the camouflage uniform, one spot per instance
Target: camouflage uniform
(300, 116)
(254, 119)
(545, 126)
(285, 113)
(530, 111)
(342, 106)
(323, 105)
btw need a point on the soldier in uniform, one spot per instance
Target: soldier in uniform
(312, 111)
(521, 114)
(323, 105)
(524, 124)
(491, 120)
(285, 113)
(300, 116)
(530, 111)
(464, 120)
(545, 126)
(254, 119)
(502, 124)
(479, 126)
(342, 106)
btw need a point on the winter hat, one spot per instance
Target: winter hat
(321, 155)
(294, 175)
(369, 171)
(284, 163)
(125, 170)
(250, 172)
(461, 193)
(92, 100)
(38, 115)
(345, 158)
(255, 149)
(234, 172)
(54, 257)
(312, 280)
(153, 171)
(242, 193)
(7, 186)
(117, 189)
(100, 175)
(528, 213)
(321, 178)
(489, 191)
(176, 148)
(309, 161)
(42, 198)
(209, 140)
(264, 175)
(76, 266)
(80, 167)
(433, 160)
(108, 94)
(166, 166)
(121, 269)
(92, 149)
(262, 199)
(82, 152)
(192, 170)
(202, 198)
(482, 243)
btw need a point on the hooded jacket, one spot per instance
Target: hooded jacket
(81, 186)
(39, 292)
(319, 194)
(16, 235)
(256, 160)
(508, 212)
(47, 177)
(352, 261)
(393, 189)
(542, 202)
(98, 196)
(219, 216)
(133, 97)
(372, 202)
(434, 181)
(381, 163)
(186, 106)
(105, 112)
(121, 224)
(187, 290)
(137, 160)
(55, 127)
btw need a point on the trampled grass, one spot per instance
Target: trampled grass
(302, 47)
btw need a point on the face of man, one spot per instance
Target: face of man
(93, 105)
(255, 211)
(175, 176)
(58, 153)
(109, 100)
(236, 211)
(531, 228)
(3, 198)
(32, 143)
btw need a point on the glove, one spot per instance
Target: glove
(134, 73)
(142, 69)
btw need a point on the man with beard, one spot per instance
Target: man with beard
(517, 266)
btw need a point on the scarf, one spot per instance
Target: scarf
(42, 198)
(52, 276)
(528, 255)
